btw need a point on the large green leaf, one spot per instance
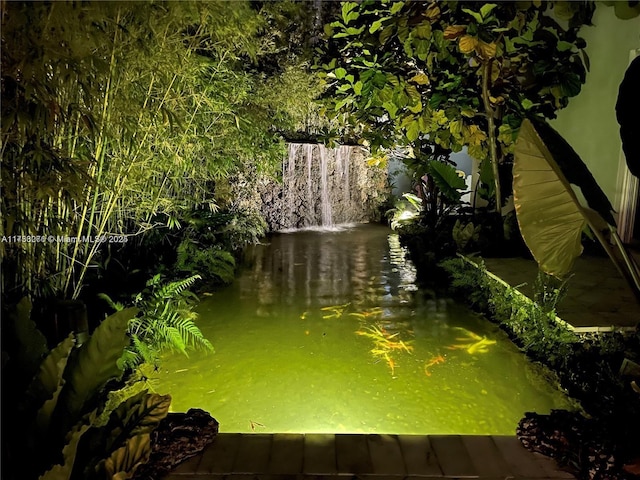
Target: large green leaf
(550, 217)
(95, 363)
(30, 344)
(123, 462)
(574, 170)
(137, 416)
(447, 179)
(47, 385)
(62, 471)
(49, 376)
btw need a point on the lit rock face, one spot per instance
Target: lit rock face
(324, 187)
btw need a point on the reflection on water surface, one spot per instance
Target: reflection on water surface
(326, 331)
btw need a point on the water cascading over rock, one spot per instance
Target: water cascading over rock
(324, 187)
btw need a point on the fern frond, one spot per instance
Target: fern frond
(167, 321)
(172, 289)
(176, 341)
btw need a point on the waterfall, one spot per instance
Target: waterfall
(325, 201)
(323, 187)
(309, 157)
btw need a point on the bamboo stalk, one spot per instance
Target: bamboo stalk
(95, 171)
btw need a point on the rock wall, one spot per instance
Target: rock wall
(323, 187)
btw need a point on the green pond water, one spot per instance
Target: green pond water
(326, 331)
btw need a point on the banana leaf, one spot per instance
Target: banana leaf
(47, 385)
(548, 212)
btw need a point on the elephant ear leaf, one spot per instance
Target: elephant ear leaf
(447, 179)
(574, 170)
(549, 215)
(94, 364)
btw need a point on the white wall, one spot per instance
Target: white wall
(589, 122)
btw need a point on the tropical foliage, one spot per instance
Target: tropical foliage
(588, 365)
(111, 111)
(53, 403)
(455, 73)
(166, 322)
(550, 215)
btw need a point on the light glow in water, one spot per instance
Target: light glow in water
(326, 331)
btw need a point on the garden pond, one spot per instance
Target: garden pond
(327, 331)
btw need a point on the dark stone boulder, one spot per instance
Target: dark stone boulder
(178, 437)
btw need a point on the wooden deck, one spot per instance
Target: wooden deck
(376, 457)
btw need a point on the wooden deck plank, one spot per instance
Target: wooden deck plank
(370, 457)
(193, 476)
(352, 454)
(452, 455)
(218, 457)
(319, 454)
(190, 465)
(485, 456)
(287, 453)
(419, 457)
(386, 455)
(521, 462)
(253, 453)
(551, 467)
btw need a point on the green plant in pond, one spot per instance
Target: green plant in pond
(52, 409)
(166, 322)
